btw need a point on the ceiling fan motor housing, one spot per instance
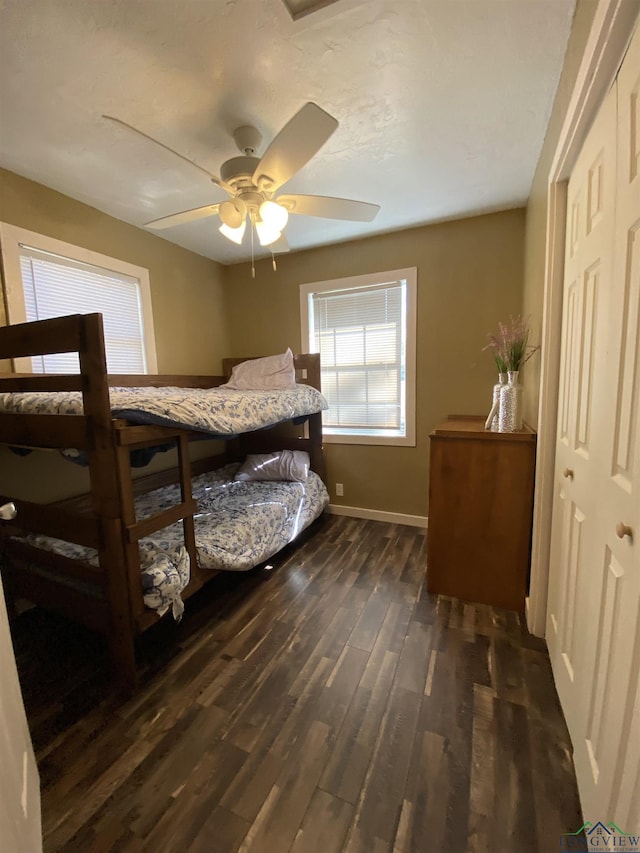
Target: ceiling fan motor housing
(239, 171)
(247, 139)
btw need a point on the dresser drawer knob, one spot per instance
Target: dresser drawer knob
(568, 473)
(623, 530)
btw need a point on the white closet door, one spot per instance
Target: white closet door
(613, 726)
(594, 613)
(583, 381)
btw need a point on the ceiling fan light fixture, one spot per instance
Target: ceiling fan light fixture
(233, 234)
(274, 214)
(266, 233)
(232, 212)
(250, 180)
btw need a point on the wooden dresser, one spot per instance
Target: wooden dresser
(480, 512)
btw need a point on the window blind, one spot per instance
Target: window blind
(361, 339)
(55, 286)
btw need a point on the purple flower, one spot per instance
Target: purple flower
(510, 347)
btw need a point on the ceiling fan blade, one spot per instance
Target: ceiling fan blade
(183, 217)
(295, 145)
(211, 177)
(329, 208)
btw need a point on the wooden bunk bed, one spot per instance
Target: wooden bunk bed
(105, 519)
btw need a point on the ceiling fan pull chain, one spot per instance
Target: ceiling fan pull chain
(253, 267)
(273, 261)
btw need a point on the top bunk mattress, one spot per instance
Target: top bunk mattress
(218, 412)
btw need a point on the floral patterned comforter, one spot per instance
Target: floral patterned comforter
(238, 525)
(215, 411)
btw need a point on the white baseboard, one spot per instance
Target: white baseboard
(379, 515)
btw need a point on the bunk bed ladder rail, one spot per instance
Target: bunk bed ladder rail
(128, 438)
(105, 496)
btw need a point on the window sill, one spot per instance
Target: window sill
(383, 440)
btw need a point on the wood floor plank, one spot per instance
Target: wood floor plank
(278, 822)
(303, 708)
(557, 804)
(340, 686)
(222, 832)
(331, 705)
(195, 799)
(253, 671)
(390, 639)
(413, 571)
(514, 814)
(349, 761)
(413, 665)
(509, 671)
(143, 796)
(324, 826)
(324, 642)
(424, 809)
(403, 571)
(251, 786)
(368, 625)
(380, 805)
(482, 803)
(94, 800)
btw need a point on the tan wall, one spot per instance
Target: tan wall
(469, 277)
(186, 290)
(186, 293)
(535, 244)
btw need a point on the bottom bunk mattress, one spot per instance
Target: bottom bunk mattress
(238, 525)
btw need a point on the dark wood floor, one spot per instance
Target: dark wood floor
(328, 705)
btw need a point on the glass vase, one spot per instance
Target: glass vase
(492, 422)
(510, 412)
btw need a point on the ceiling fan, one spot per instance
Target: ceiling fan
(252, 182)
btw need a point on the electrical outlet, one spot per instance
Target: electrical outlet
(339, 490)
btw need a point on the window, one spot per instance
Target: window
(364, 329)
(47, 278)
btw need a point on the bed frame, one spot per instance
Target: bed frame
(105, 519)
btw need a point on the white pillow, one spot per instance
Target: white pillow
(290, 465)
(274, 371)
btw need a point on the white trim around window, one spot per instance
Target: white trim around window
(401, 435)
(14, 241)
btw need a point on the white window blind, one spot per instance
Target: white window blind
(55, 286)
(360, 334)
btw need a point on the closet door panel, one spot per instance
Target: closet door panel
(603, 423)
(575, 558)
(612, 729)
(626, 794)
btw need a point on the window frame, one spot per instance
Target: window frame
(410, 276)
(11, 239)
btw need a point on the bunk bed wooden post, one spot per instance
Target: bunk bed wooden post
(105, 496)
(313, 376)
(186, 491)
(128, 518)
(316, 453)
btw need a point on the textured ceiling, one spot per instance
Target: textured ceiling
(442, 104)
